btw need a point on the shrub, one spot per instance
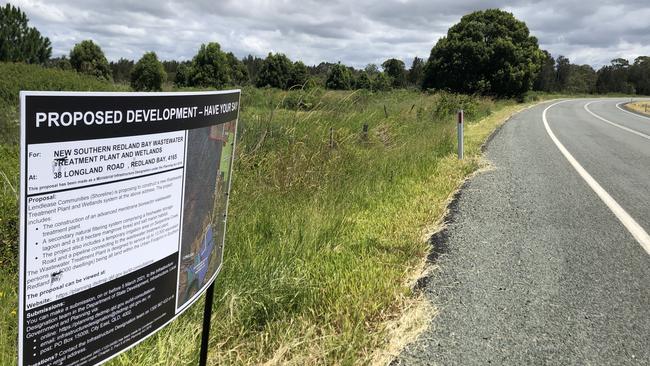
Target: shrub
(275, 72)
(209, 67)
(148, 73)
(339, 77)
(88, 58)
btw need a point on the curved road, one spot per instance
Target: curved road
(547, 255)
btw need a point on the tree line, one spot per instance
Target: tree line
(488, 52)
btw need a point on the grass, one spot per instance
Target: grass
(320, 239)
(641, 107)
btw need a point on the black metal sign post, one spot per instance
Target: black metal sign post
(207, 316)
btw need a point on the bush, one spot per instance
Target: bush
(17, 77)
(363, 81)
(9, 186)
(382, 82)
(148, 73)
(88, 58)
(339, 78)
(209, 67)
(275, 72)
(299, 75)
(302, 99)
(448, 105)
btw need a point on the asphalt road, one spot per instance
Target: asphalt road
(537, 268)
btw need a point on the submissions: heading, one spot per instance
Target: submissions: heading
(65, 119)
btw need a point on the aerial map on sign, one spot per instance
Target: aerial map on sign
(204, 207)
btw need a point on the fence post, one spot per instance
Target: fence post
(331, 137)
(385, 111)
(461, 142)
(364, 134)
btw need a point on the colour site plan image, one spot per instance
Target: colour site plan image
(124, 209)
(381, 183)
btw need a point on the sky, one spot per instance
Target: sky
(355, 33)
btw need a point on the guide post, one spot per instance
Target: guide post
(124, 200)
(461, 137)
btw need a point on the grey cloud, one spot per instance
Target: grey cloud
(355, 33)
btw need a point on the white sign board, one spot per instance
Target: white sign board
(123, 211)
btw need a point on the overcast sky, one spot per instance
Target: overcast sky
(353, 32)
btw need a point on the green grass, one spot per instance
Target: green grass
(320, 240)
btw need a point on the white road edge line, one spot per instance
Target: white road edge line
(618, 105)
(615, 124)
(630, 224)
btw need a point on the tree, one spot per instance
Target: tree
(396, 70)
(148, 73)
(582, 79)
(416, 72)
(183, 74)
(639, 75)
(18, 42)
(562, 72)
(339, 78)
(121, 70)
(170, 67)
(363, 81)
(88, 58)
(210, 67)
(299, 75)
(253, 65)
(381, 82)
(275, 71)
(488, 52)
(238, 73)
(546, 78)
(614, 78)
(62, 63)
(372, 70)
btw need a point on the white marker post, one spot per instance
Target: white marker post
(461, 142)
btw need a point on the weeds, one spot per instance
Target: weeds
(320, 238)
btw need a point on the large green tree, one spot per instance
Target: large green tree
(121, 70)
(546, 79)
(339, 77)
(363, 81)
(416, 72)
(488, 52)
(210, 67)
(238, 73)
(253, 65)
(581, 79)
(613, 78)
(88, 58)
(18, 41)
(299, 75)
(183, 74)
(148, 73)
(396, 70)
(381, 82)
(275, 71)
(639, 75)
